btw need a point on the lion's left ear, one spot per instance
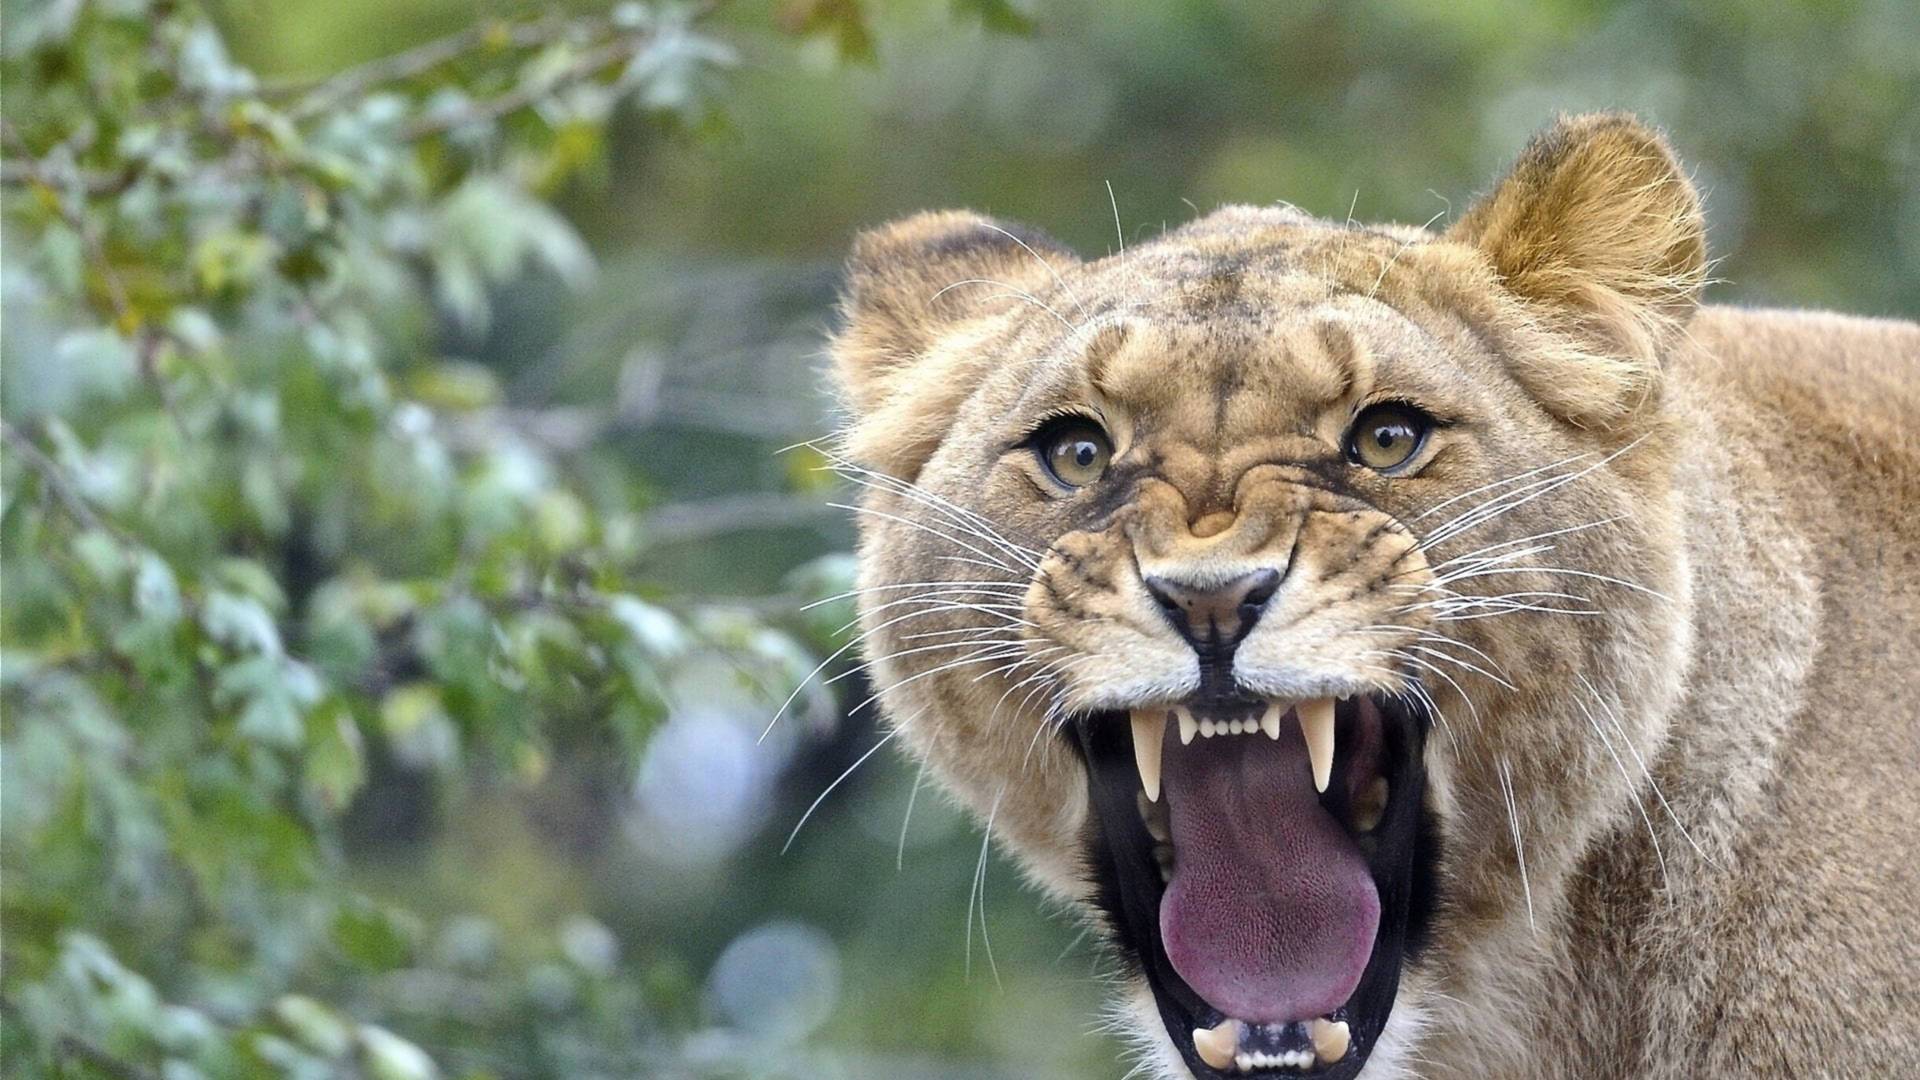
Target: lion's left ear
(1600, 232)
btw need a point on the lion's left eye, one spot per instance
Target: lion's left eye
(1386, 436)
(1074, 450)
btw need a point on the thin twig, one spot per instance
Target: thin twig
(318, 97)
(58, 482)
(623, 47)
(683, 522)
(69, 1047)
(19, 173)
(584, 66)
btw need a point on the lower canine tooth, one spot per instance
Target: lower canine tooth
(1148, 724)
(1330, 1039)
(1371, 806)
(1216, 1045)
(1189, 727)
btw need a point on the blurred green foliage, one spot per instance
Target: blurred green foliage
(256, 520)
(398, 571)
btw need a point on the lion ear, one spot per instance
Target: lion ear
(1596, 228)
(913, 290)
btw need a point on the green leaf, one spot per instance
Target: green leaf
(335, 763)
(275, 693)
(84, 365)
(560, 520)
(64, 257)
(390, 1057)
(417, 726)
(845, 21)
(156, 594)
(999, 16)
(229, 260)
(369, 937)
(102, 555)
(323, 1030)
(240, 622)
(652, 628)
(247, 577)
(499, 228)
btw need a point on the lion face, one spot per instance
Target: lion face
(1293, 596)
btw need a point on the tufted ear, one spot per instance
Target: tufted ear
(1600, 232)
(917, 294)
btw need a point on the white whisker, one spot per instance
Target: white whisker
(1519, 845)
(978, 894)
(815, 805)
(900, 849)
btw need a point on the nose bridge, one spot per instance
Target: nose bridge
(1213, 572)
(1218, 615)
(1187, 539)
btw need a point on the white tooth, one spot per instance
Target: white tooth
(1188, 725)
(1148, 725)
(1270, 723)
(1329, 1039)
(1217, 1044)
(1208, 729)
(1372, 805)
(1316, 723)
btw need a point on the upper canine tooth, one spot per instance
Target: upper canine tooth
(1316, 723)
(1270, 723)
(1148, 724)
(1217, 1044)
(1330, 1039)
(1189, 727)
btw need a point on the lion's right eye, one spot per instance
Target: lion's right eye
(1073, 450)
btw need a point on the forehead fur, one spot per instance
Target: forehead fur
(1574, 273)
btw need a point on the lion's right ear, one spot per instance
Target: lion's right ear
(914, 289)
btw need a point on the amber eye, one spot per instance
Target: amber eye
(1073, 450)
(1386, 436)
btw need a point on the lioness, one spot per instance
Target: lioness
(1456, 654)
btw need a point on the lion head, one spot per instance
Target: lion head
(1298, 598)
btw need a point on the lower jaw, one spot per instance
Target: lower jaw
(1129, 890)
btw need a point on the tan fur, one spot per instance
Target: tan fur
(1713, 780)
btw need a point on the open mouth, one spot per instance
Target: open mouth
(1269, 867)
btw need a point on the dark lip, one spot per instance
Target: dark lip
(1402, 861)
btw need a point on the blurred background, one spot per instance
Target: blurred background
(408, 525)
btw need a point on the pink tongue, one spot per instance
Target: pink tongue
(1271, 913)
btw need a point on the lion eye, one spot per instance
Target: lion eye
(1074, 450)
(1387, 436)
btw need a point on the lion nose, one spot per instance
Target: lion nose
(1219, 616)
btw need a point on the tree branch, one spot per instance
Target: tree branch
(584, 66)
(318, 97)
(58, 482)
(67, 1047)
(681, 523)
